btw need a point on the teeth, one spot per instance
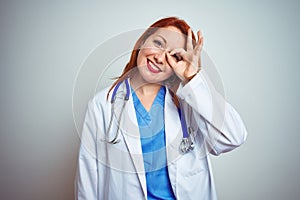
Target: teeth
(154, 67)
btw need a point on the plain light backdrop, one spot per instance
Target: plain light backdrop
(43, 44)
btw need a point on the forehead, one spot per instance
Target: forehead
(173, 36)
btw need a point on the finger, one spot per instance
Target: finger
(189, 41)
(171, 60)
(179, 52)
(200, 38)
(199, 44)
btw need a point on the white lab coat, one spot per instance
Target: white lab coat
(109, 171)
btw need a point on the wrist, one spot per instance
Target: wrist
(190, 77)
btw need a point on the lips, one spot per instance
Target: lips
(152, 67)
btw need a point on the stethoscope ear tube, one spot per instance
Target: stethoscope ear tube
(115, 139)
(112, 101)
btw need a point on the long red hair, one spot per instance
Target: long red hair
(162, 23)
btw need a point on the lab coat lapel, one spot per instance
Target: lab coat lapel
(173, 135)
(172, 128)
(130, 131)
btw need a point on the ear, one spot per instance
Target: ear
(141, 47)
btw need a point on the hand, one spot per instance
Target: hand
(186, 63)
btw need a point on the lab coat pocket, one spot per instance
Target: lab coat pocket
(195, 164)
(193, 177)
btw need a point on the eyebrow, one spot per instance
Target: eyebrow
(162, 38)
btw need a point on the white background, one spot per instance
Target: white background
(255, 46)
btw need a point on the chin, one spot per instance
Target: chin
(152, 80)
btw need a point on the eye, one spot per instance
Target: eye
(158, 43)
(177, 57)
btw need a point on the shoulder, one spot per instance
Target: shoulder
(100, 97)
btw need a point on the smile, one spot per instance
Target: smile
(152, 67)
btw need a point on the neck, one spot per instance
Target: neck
(143, 88)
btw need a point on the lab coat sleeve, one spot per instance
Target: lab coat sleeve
(219, 123)
(87, 177)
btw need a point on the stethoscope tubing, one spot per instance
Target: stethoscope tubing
(186, 143)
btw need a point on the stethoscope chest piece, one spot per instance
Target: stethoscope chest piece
(186, 145)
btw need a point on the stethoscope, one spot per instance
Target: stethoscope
(186, 144)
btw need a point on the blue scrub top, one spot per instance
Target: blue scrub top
(152, 134)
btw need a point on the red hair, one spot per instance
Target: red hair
(162, 23)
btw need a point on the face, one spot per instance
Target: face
(151, 61)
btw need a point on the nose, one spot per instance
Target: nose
(160, 57)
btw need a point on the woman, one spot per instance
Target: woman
(148, 136)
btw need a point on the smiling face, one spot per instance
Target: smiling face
(151, 61)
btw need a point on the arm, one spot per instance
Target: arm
(219, 123)
(217, 120)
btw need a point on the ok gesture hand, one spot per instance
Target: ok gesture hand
(186, 63)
